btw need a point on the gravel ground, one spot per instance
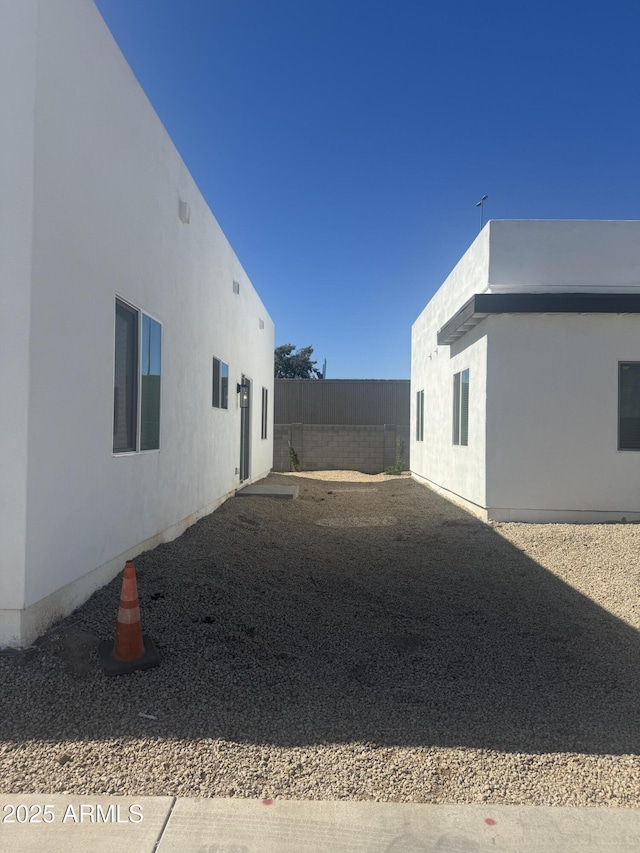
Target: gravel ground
(368, 641)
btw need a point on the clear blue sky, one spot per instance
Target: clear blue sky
(342, 144)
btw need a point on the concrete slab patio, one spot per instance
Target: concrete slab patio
(170, 825)
(287, 493)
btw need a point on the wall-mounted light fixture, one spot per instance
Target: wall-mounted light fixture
(184, 212)
(243, 389)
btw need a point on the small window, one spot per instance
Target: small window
(420, 416)
(220, 384)
(629, 405)
(150, 385)
(136, 387)
(125, 386)
(461, 408)
(265, 400)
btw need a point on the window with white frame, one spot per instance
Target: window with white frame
(220, 384)
(265, 407)
(629, 405)
(136, 385)
(419, 415)
(461, 408)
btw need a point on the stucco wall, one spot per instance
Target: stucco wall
(543, 387)
(552, 418)
(347, 447)
(17, 96)
(107, 185)
(458, 469)
(568, 255)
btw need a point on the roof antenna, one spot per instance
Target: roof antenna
(480, 204)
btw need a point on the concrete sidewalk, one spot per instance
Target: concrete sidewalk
(49, 824)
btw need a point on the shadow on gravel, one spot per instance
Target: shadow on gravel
(379, 614)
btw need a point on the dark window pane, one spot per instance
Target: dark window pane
(265, 397)
(456, 408)
(125, 403)
(419, 415)
(216, 383)
(224, 385)
(220, 384)
(150, 392)
(464, 408)
(629, 406)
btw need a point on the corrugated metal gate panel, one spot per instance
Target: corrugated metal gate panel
(341, 401)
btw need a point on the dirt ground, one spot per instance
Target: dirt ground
(368, 640)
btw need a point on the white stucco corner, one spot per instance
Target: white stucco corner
(543, 396)
(86, 216)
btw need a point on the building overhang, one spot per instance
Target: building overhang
(481, 305)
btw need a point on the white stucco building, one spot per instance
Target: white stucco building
(526, 374)
(126, 324)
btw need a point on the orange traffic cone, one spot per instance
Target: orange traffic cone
(131, 650)
(128, 645)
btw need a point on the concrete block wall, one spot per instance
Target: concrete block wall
(281, 436)
(404, 433)
(326, 447)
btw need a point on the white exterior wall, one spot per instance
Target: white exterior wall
(543, 426)
(458, 470)
(552, 418)
(552, 396)
(585, 256)
(107, 184)
(17, 96)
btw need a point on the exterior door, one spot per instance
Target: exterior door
(245, 435)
